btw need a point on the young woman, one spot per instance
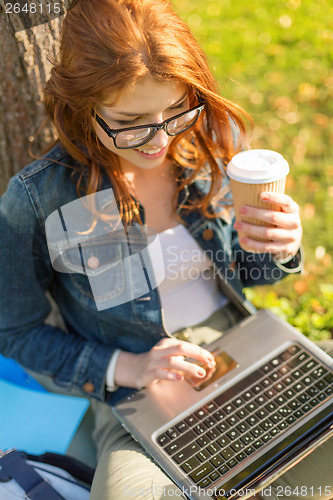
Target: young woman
(139, 121)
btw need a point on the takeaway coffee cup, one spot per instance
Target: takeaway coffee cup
(253, 172)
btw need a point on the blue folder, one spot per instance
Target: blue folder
(11, 371)
(32, 419)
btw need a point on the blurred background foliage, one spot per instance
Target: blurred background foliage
(275, 60)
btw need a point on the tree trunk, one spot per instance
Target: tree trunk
(28, 42)
(26, 46)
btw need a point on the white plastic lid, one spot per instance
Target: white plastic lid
(257, 166)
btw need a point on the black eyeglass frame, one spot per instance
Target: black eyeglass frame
(154, 126)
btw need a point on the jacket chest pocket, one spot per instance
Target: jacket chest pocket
(110, 273)
(97, 271)
(108, 264)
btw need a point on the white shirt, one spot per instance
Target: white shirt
(188, 293)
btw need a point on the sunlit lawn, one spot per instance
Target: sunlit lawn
(276, 60)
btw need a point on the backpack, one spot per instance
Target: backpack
(50, 476)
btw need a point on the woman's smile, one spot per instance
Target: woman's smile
(150, 154)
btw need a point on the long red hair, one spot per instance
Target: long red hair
(107, 45)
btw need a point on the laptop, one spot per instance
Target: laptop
(267, 405)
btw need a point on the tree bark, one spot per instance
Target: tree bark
(25, 55)
(28, 43)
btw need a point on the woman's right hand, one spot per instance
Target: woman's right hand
(165, 361)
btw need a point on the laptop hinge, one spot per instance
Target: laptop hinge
(242, 304)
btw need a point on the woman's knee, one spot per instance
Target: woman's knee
(130, 473)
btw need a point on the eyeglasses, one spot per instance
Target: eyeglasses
(133, 137)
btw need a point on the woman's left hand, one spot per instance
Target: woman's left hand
(284, 238)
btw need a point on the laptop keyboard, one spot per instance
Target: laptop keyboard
(221, 434)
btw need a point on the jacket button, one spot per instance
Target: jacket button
(208, 234)
(88, 387)
(93, 262)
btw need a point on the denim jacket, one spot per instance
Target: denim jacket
(77, 357)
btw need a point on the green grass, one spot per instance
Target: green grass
(276, 60)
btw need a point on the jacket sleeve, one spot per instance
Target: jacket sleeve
(73, 362)
(262, 268)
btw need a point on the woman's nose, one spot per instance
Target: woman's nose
(160, 140)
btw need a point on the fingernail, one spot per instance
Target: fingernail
(242, 210)
(237, 225)
(178, 376)
(243, 240)
(201, 372)
(264, 196)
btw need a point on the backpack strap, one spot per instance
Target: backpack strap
(35, 487)
(79, 470)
